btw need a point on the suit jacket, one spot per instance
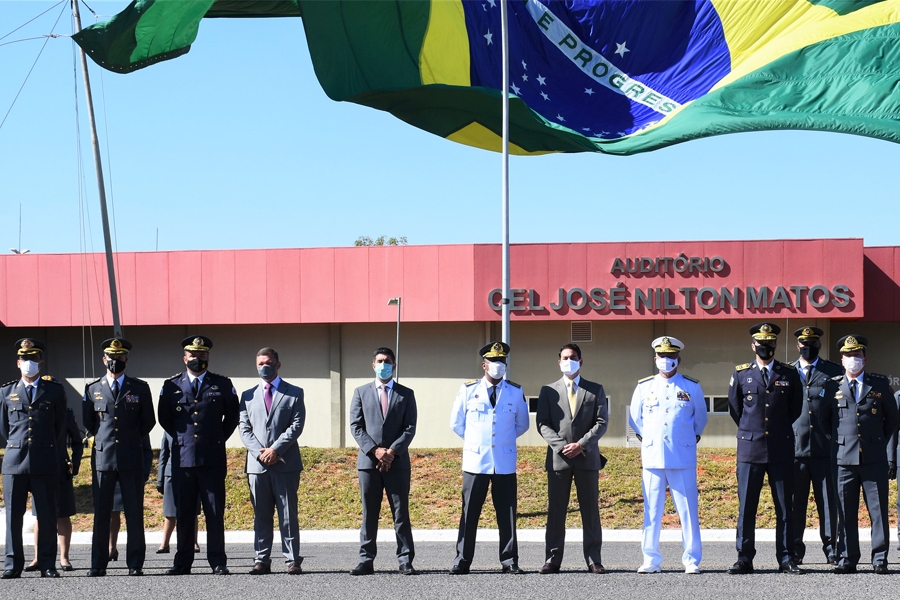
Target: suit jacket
(394, 430)
(199, 426)
(811, 439)
(489, 432)
(864, 432)
(33, 431)
(118, 424)
(164, 465)
(277, 429)
(559, 427)
(71, 440)
(765, 415)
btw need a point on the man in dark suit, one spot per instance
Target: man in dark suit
(572, 415)
(383, 422)
(765, 397)
(863, 425)
(118, 413)
(812, 446)
(272, 418)
(200, 411)
(32, 420)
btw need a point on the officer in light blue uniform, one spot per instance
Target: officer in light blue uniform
(668, 413)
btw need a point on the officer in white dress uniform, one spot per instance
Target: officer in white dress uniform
(668, 413)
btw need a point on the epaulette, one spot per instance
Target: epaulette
(473, 382)
(513, 383)
(176, 376)
(97, 380)
(877, 375)
(789, 366)
(138, 380)
(648, 378)
(50, 379)
(691, 379)
(837, 377)
(743, 366)
(10, 383)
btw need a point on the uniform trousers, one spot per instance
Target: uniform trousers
(207, 483)
(503, 494)
(873, 480)
(373, 484)
(814, 472)
(43, 490)
(750, 481)
(683, 485)
(271, 492)
(131, 483)
(559, 489)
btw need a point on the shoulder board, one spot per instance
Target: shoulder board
(743, 366)
(473, 382)
(13, 382)
(513, 383)
(216, 375)
(97, 380)
(787, 365)
(877, 375)
(175, 376)
(648, 378)
(49, 378)
(691, 379)
(837, 378)
(138, 380)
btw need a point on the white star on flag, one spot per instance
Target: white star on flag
(524, 77)
(489, 37)
(560, 117)
(515, 89)
(621, 49)
(492, 3)
(541, 80)
(524, 66)
(589, 91)
(545, 96)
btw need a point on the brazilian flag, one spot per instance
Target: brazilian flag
(612, 76)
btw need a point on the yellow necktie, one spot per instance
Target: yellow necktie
(572, 397)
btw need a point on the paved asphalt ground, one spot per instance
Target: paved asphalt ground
(326, 565)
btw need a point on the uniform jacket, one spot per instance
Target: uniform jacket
(489, 433)
(71, 440)
(394, 430)
(863, 433)
(164, 465)
(118, 424)
(199, 426)
(559, 427)
(277, 429)
(811, 440)
(668, 414)
(33, 431)
(765, 415)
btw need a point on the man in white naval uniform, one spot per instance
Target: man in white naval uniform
(668, 413)
(489, 414)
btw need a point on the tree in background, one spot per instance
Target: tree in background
(383, 240)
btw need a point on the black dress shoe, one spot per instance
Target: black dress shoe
(741, 567)
(844, 569)
(11, 574)
(221, 570)
(114, 555)
(791, 568)
(55, 573)
(31, 568)
(178, 571)
(163, 550)
(363, 568)
(96, 573)
(135, 572)
(597, 569)
(512, 569)
(459, 570)
(67, 567)
(548, 568)
(260, 569)
(407, 569)
(880, 569)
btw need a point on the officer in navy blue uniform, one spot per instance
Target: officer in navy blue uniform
(200, 410)
(33, 422)
(863, 427)
(812, 445)
(765, 397)
(118, 412)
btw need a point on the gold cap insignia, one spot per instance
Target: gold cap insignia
(765, 329)
(115, 344)
(198, 342)
(27, 344)
(807, 332)
(850, 341)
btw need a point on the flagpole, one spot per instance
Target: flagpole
(113, 296)
(505, 302)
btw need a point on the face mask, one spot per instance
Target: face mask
(809, 353)
(569, 366)
(496, 370)
(266, 372)
(765, 352)
(114, 365)
(666, 364)
(384, 371)
(29, 368)
(853, 364)
(196, 365)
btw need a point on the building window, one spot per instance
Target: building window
(582, 332)
(717, 404)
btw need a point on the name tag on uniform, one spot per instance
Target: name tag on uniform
(214, 394)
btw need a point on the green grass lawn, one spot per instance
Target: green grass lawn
(329, 492)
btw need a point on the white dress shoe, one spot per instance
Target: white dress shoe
(648, 569)
(692, 569)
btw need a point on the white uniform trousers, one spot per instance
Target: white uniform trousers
(683, 485)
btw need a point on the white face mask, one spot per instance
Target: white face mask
(853, 364)
(569, 366)
(29, 368)
(496, 369)
(666, 364)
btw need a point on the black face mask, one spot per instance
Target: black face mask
(765, 352)
(809, 353)
(196, 365)
(114, 365)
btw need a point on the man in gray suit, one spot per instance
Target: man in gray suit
(272, 418)
(572, 415)
(383, 422)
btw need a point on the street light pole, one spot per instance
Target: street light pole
(391, 302)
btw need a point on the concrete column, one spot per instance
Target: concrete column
(338, 439)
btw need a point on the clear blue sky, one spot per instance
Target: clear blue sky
(235, 145)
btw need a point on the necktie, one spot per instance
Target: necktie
(115, 389)
(29, 389)
(853, 391)
(196, 387)
(384, 400)
(808, 373)
(267, 396)
(765, 376)
(493, 396)
(572, 397)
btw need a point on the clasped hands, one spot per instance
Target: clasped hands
(268, 456)
(572, 450)
(385, 457)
